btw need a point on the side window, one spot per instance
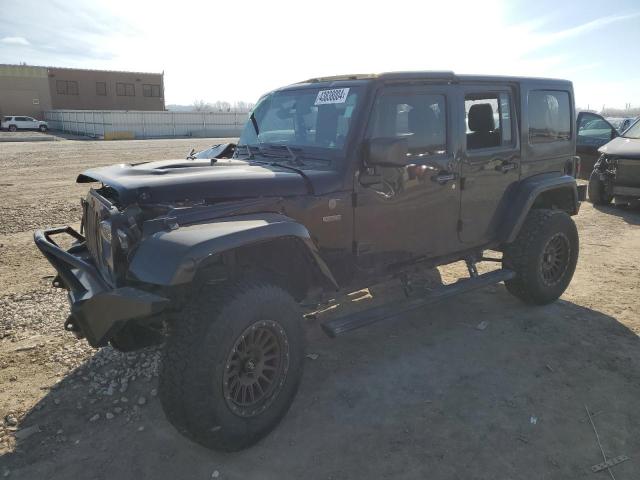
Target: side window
(549, 116)
(151, 90)
(125, 90)
(101, 88)
(66, 87)
(488, 120)
(72, 87)
(420, 117)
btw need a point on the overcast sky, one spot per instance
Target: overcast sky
(237, 50)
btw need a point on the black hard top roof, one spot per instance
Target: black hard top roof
(439, 76)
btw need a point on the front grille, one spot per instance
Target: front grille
(628, 172)
(92, 230)
(100, 250)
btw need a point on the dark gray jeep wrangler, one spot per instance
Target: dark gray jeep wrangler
(336, 184)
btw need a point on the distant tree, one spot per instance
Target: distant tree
(620, 112)
(218, 106)
(202, 106)
(242, 106)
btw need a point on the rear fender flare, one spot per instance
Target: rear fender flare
(169, 258)
(525, 196)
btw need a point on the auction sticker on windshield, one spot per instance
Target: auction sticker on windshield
(335, 95)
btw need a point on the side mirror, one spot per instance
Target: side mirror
(614, 133)
(387, 152)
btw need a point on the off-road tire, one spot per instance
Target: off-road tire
(196, 361)
(12, 128)
(596, 190)
(529, 256)
(43, 128)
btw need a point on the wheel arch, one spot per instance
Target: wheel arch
(547, 191)
(256, 243)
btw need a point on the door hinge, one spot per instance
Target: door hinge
(354, 247)
(462, 182)
(354, 199)
(459, 225)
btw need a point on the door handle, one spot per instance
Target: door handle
(504, 167)
(443, 177)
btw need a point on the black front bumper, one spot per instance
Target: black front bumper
(98, 310)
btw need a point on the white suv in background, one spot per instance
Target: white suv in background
(23, 123)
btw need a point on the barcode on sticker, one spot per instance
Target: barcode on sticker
(335, 95)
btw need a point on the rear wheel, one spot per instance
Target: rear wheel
(597, 190)
(544, 256)
(12, 128)
(232, 365)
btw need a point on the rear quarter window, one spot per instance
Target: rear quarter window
(549, 116)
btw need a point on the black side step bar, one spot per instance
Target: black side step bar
(363, 318)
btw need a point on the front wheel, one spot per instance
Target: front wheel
(43, 128)
(232, 365)
(544, 257)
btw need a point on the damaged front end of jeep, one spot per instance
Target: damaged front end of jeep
(103, 298)
(144, 247)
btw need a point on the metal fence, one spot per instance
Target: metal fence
(138, 124)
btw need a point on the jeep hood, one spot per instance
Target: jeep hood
(622, 147)
(176, 181)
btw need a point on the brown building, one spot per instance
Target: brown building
(24, 90)
(29, 90)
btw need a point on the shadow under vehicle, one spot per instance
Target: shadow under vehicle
(336, 184)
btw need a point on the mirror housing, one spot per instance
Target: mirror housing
(387, 152)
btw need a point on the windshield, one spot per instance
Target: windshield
(616, 122)
(633, 131)
(319, 117)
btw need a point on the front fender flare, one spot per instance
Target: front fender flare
(173, 257)
(525, 196)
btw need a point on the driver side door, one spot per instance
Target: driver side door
(32, 122)
(409, 211)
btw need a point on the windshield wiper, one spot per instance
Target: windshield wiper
(304, 176)
(250, 153)
(294, 157)
(291, 154)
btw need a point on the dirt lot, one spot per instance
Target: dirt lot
(428, 395)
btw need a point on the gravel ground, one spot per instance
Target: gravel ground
(27, 136)
(428, 395)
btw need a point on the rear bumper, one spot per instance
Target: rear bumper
(98, 310)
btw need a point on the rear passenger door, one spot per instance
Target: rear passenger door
(22, 122)
(490, 159)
